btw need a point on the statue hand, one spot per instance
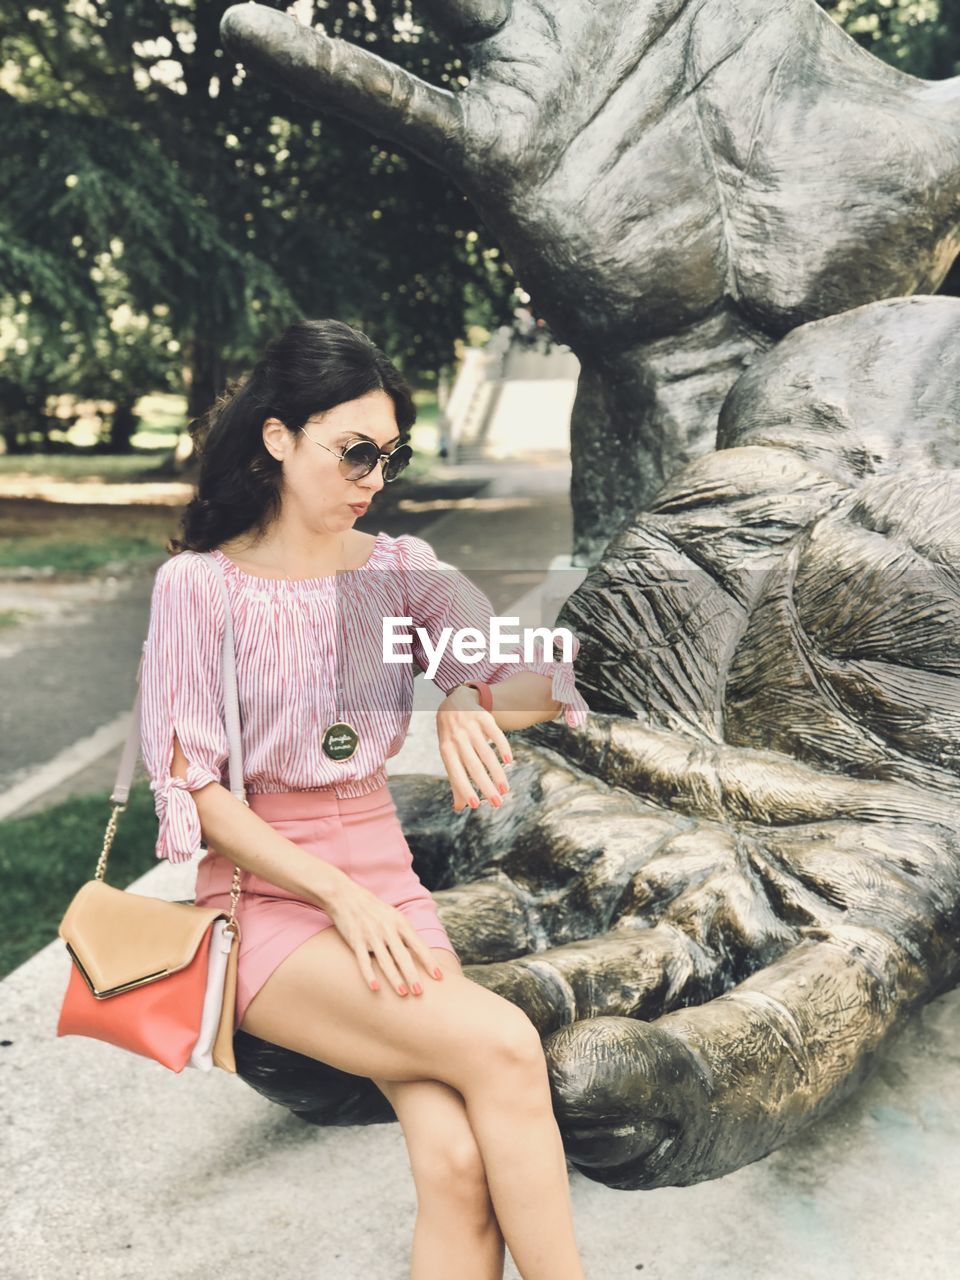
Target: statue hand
(640, 162)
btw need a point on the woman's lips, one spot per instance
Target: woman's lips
(358, 508)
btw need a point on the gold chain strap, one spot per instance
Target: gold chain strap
(108, 835)
(111, 831)
(231, 925)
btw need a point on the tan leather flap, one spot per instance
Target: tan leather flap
(118, 937)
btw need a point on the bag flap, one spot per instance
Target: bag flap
(120, 939)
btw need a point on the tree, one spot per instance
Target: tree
(921, 37)
(136, 145)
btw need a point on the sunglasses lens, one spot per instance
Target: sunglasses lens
(360, 459)
(398, 460)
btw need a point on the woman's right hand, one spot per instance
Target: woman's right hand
(368, 924)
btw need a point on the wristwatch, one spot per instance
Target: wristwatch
(486, 697)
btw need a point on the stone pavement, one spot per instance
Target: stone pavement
(114, 1167)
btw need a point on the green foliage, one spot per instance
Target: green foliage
(148, 175)
(921, 37)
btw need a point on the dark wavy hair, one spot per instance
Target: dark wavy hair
(312, 366)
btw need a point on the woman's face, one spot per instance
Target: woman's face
(313, 486)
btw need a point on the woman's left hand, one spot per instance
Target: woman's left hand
(464, 731)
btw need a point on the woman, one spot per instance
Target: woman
(337, 930)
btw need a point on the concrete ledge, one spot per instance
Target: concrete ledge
(115, 1167)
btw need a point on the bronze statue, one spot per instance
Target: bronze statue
(740, 875)
(676, 184)
(730, 885)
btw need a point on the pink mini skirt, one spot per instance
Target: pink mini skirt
(359, 834)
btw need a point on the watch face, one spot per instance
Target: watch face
(340, 741)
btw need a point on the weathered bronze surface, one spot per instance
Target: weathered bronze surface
(677, 184)
(718, 898)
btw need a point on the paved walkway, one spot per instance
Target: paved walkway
(115, 1168)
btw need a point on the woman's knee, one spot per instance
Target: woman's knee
(449, 1171)
(519, 1042)
(445, 1157)
(507, 1052)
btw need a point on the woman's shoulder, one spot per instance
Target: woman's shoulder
(413, 552)
(186, 574)
(183, 563)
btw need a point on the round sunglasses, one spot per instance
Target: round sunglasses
(359, 459)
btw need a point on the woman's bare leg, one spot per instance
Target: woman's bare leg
(316, 1002)
(456, 1231)
(526, 1168)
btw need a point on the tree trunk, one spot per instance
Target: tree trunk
(207, 376)
(123, 424)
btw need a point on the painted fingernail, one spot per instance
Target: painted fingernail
(417, 989)
(508, 759)
(375, 985)
(438, 973)
(496, 802)
(402, 989)
(474, 802)
(504, 788)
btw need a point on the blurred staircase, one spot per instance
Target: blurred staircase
(510, 398)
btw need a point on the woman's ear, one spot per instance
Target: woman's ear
(276, 438)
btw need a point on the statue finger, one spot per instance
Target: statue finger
(335, 75)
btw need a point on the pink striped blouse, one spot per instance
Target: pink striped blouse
(309, 652)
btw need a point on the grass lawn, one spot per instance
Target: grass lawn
(85, 465)
(11, 617)
(81, 538)
(46, 857)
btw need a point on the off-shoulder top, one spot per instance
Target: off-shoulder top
(309, 652)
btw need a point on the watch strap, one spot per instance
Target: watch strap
(486, 697)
